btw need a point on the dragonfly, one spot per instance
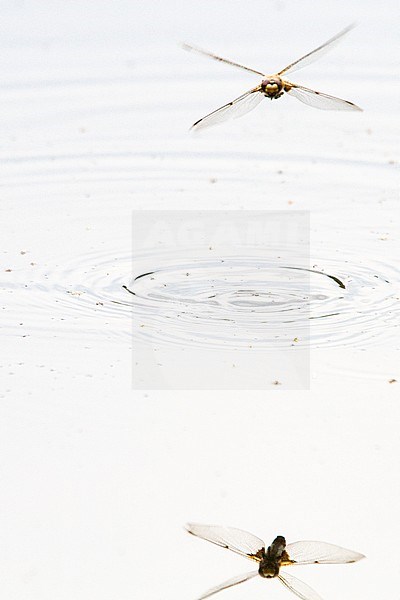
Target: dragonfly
(275, 86)
(271, 559)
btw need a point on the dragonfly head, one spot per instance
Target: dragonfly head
(268, 568)
(272, 86)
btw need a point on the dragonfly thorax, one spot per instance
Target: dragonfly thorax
(272, 87)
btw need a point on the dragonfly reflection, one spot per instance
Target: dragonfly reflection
(274, 86)
(271, 559)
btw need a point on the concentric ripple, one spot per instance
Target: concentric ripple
(263, 303)
(280, 301)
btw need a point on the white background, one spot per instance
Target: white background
(97, 480)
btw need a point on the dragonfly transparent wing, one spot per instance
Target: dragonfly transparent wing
(190, 48)
(237, 108)
(301, 589)
(305, 553)
(228, 584)
(239, 541)
(309, 58)
(320, 100)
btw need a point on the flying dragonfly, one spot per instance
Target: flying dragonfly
(271, 559)
(274, 86)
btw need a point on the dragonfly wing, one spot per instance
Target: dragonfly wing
(237, 540)
(320, 100)
(305, 553)
(309, 58)
(190, 48)
(237, 108)
(301, 589)
(228, 584)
